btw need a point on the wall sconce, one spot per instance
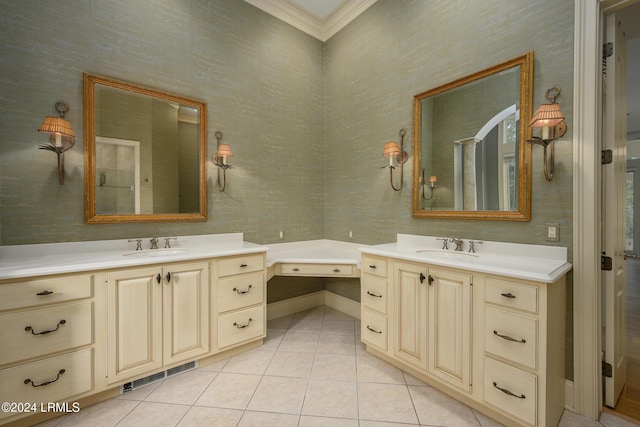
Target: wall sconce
(397, 158)
(61, 136)
(550, 120)
(432, 184)
(220, 159)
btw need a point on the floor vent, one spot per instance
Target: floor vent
(133, 385)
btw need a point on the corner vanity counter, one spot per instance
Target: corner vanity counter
(79, 320)
(486, 327)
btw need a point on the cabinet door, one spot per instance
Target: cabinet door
(186, 311)
(134, 336)
(450, 327)
(410, 313)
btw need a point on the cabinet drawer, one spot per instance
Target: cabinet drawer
(374, 292)
(374, 265)
(240, 291)
(512, 294)
(324, 270)
(45, 291)
(240, 264)
(240, 326)
(510, 390)
(59, 378)
(511, 336)
(39, 332)
(374, 329)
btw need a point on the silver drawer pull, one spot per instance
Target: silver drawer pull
(508, 338)
(373, 330)
(239, 292)
(374, 295)
(508, 295)
(373, 267)
(60, 372)
(44, 293)
(296, 269)
(505, 391)
(242, 326)
(30, 329)
(336, 270)
(243, 265)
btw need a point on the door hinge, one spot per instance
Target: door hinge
(606, 263)
(607, 369)
(607, 50)
(607, 157)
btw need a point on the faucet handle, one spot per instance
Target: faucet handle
(472, 245)
(138, 243)
(167, 240)
(445, 242)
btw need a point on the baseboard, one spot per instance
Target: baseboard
(568, 395)
(315, 299)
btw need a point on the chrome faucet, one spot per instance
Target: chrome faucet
(459, 243)
(472, 245)
(154, 242)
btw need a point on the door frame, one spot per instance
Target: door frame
(587, 202)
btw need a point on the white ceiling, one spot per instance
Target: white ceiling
(318, 18)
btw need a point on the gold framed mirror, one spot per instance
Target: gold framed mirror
(145, 154)
(471, 158)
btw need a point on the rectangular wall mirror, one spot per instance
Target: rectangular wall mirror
(471, 159)
(145, 154)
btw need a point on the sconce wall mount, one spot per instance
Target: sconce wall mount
(61, 136)
(219, 159)
(550, 120)
(397, 158)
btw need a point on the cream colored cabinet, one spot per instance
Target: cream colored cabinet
(409, 316)
(48, 338)
(523, 357)
(157, 316)
(374, 301)
(495, 343)
(449, 320)
(238, 300)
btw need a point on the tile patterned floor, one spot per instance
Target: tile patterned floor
(311, 371)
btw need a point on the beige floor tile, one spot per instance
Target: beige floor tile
(341, 327)
(374, 370)
(435, 408)
(299, 341)
(334, 367)
(308, 421)
(336, 344)
(216, 366)
(279, 394)
(606, 419)
(231, 391)
(107, 414)
(385, 402)
(291, 364)
(333, 314)
(183, 389)
(306, 324)
(485, 421)
(315, 312)
(330, 398)
(199, 416)
(281, 323)
(273, 339)
(365, 423)
(154, 414)
(253, 362)
(266, 419)
(411, 380)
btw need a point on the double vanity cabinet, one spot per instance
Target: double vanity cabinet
(489, 337)
(71, 336)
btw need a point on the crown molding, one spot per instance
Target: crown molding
(322, 30)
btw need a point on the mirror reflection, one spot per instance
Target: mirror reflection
(145, 153)
(471, 159)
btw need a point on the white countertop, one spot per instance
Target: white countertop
(531, 262)
(57, 258)
(314, 252)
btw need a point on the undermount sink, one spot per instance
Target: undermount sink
(444, 254)
(152, 253)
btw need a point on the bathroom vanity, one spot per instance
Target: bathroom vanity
(79, 320)
(486, 327)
